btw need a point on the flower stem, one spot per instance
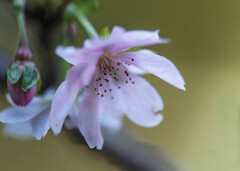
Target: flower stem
(23, 39)
(87, 26)
(18, 8)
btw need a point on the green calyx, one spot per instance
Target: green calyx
(14, 73)
(28, 76)
(105, 32)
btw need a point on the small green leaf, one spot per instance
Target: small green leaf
(105, 32)
(14, 73)
(132, 49)
(30, 77)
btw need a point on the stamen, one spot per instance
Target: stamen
(111, 73)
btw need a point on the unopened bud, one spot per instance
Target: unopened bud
(22, 78)
(70, 33)
(72, 30)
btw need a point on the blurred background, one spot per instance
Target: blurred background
(201, 127)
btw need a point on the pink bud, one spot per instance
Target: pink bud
(20, 97)
(22, 77)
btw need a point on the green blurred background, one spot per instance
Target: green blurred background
(200, 131)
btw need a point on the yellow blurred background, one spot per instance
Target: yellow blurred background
(201, 127)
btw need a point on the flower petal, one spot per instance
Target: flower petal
(69, 124)
(71, 121)
(70, 54)
(61, 104)
(155, 64)
(142, 103)
(17, 114)
(121, 41)
(136, 70)
(117, 30)
(88, 120)
(21, 130)
(110, 114)
(40, 124)
(78, 76)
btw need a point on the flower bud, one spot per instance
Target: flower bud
(22, 77)
(72, 31)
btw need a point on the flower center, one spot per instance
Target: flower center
(111, 75)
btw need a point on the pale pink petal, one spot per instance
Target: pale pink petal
(103, 43)
(61, 105)
(135, 70)
(117, 30)
(71, 121)
(69, 124)
(88, 120)
(142, 103)
(126, 40)
(155, 64)
(78, 77)
(121, 40)
(17, 114)
(111, 112)
(70, 54)
(40, 124)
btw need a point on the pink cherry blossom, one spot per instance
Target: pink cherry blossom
(111, 89)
